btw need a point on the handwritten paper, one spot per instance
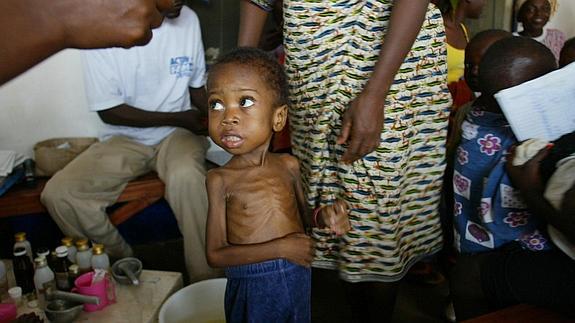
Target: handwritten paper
(542, 108)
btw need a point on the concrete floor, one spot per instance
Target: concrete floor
(416, 302)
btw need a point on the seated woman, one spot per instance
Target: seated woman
(533, 16)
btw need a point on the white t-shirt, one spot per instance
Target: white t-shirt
(154, 77)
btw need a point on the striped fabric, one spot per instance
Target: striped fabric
(331, 48)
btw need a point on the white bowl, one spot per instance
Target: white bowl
(201, 302)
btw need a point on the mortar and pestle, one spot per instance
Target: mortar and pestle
(64, 307)
(126, 271)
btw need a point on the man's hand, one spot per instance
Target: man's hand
(361, 126)
(297, 248)
(335, 217)
(196, 122)
(526, 177)
(109, 23)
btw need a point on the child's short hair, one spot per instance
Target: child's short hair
(264, 63)
(567, 55)
(512, 61)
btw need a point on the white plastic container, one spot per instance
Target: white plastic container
(16, 295)
(83, 256)
(43, 278)
(69, 242)
(199, 302)
(100, 259)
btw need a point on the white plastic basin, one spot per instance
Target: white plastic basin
(201, 302)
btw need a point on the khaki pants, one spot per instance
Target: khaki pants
(78, 195)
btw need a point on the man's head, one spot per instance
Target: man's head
(247, 100)
(475, 50)
(512, 61)
(567, 53)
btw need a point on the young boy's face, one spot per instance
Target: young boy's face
(473, 54)
(534, 14)
(242, 109)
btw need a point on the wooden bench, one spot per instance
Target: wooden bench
(138, 194)
(521, 313)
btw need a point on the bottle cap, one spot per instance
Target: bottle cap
(20, 251)
(20, 236)
(67, 241)
(62, 251)
(82, 244)
(40, 262)
(15, 292)
(43, 252)
(97, 248)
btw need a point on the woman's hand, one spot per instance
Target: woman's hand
(361, 126)
(335, 217)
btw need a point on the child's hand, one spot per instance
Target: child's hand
(297, 248)
(335, 217)
(527, 176)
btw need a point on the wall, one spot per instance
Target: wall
(563, 19)
(47, 101)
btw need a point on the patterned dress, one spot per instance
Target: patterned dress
(331, 49)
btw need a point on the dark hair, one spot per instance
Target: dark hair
(512, 61)
(489, 34)
(263, 63)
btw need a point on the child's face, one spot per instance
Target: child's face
(473, 54)
(241, 109)
(534, 14)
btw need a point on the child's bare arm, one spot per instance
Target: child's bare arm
(335, 217)
(296, 247)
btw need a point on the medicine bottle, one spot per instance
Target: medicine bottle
(83, 256)
(61, 269)
(20, 241)
(69, 242)
(43, 279)
(23, 271)
(100, 259)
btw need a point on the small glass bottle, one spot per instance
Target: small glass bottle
(3, 280)
(69, 242)
(20, 241)
(23, 271)
(83, 256)
(61, 269)
(100, 259)
(43, 279)
(73, 273)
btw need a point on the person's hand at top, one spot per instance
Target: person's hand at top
(361, 126)
(34, 30)
(335, 217)
(110, 23)
(526, 177)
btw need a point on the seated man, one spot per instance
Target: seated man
(143, 96)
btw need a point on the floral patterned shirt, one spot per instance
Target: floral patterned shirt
(488, 210)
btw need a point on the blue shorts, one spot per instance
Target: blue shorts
(269, 291)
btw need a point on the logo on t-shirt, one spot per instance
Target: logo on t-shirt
(181, 66)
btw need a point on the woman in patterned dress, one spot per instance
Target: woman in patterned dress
(368, 113)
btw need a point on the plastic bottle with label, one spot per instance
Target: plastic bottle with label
(61, 269)
(44, 278)
(20, 241)
(83, 256)
(69, 242)
(100, 259)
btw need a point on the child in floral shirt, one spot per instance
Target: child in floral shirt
(488, 210)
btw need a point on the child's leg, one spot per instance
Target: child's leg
(371, 301)
(270, 291)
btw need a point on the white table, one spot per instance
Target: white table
(134, 304)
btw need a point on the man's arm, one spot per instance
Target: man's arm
(33, 30)
(296, 247)
(125, 115)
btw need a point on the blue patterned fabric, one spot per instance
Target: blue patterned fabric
(488, 210)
